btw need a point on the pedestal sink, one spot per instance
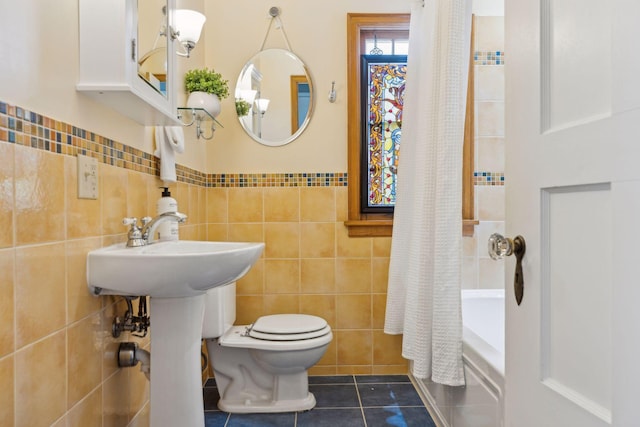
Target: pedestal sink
(176, 275)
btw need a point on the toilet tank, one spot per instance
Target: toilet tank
(219, 310)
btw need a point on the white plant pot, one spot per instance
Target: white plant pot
(209, 101)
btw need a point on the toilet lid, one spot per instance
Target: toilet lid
(289, 327)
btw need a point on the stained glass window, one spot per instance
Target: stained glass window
(383, 82)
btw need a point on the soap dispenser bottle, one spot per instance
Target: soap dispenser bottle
(168, 230)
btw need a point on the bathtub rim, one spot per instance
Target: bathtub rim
(488, 369)
(475, 349)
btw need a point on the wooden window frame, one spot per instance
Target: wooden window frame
(361, 224)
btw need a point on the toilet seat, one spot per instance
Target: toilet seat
(279, 332)
(288, 327)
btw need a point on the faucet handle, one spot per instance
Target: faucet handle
(130, 221)
(134, 236)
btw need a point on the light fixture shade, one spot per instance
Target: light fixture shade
(262, 104)
(188, 23)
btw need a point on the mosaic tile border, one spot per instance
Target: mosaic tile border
(488, 178)
(30, 129)
(336, 179)
(494, 57)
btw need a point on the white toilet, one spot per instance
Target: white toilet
(262, 367)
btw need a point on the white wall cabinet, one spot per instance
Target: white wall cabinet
(111, 46)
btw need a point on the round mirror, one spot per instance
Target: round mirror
(274, 97)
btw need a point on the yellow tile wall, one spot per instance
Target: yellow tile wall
(56, 347)
(310, 265)
(57, 356)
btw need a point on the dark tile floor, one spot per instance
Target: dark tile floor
(342, 401)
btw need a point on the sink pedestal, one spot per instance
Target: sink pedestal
(176, 378)
(176, 276)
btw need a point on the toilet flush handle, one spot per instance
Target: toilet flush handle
(499, 247)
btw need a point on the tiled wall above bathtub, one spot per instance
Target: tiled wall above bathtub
(479, 270)
(493, 57)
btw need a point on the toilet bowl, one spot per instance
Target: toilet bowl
(262, 367)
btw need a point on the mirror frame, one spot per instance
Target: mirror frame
(307, 119)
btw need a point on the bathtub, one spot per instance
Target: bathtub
(479, 403)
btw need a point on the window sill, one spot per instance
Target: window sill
(369, 228)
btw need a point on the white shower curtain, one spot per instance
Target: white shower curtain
(423, 297)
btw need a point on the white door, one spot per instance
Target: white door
(573, 191)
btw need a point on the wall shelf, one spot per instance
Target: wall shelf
(188, 116)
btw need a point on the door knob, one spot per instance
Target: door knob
(499, 247)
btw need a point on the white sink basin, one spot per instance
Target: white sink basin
(176, 275)
(172, 269)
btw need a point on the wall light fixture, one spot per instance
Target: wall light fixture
(188, 26)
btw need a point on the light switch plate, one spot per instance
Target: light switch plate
(87, 177)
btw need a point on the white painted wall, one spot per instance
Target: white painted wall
(39, 72)
(317, 32)
(39, 56)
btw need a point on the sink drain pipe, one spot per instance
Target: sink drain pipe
(129, 354)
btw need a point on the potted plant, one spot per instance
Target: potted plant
(242, 107)
(206, 88)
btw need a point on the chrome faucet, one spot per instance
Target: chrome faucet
(141, 236)
(149, 227)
